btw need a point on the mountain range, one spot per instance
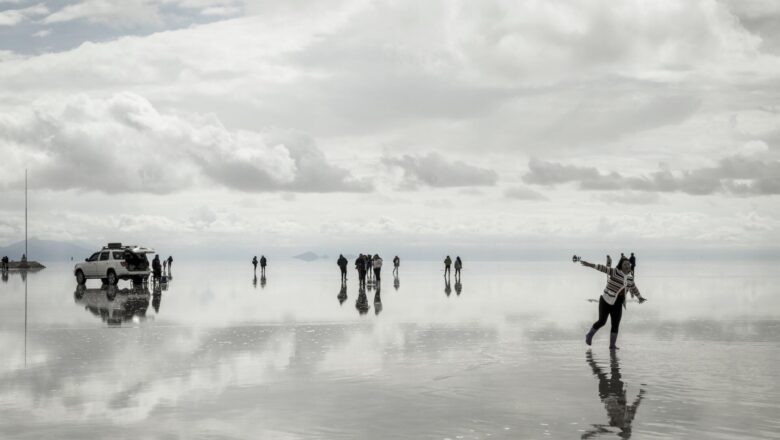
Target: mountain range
(46, 251)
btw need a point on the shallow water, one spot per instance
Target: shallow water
(216, 355)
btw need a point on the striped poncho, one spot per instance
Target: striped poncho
(617, 283)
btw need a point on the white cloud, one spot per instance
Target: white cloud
(122, 144)
(436, 171)
(12, 17)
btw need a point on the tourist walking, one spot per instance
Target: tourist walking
(377, 263)
(170, 263)
(5, 263)
(632, 260)
(254, 263)
(342, 263)
(360, 266)
(369, 266)
(609, 261)
(396, 263)
(613, 299)
(458, 267)
(263, 264)
(447, 264)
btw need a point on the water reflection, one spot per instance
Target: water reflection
(612, 392)
(116, 306)
(458, 286)
(342, 296)
(254, 281)
(396, 282)
(262, 281)
(362, 302)
(378, 300)
(447, 288)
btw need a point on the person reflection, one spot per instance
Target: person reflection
(262, 282)
(342, 293)
(447, 288)
(458, 286)
(362, 302)
(612, 392)
(378, 300)
(156, 298)
(396, 282)
(5, 276)
(254, 281)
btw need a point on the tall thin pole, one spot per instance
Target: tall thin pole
(25, 215)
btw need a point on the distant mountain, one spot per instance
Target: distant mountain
(310, 256)
(46, 251)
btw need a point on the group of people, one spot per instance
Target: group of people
(366, 266)
(458, 267)
(160, 269)
(263, 263)
(620, 280)
(4, 263)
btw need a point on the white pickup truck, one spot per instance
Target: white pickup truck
(115, 262)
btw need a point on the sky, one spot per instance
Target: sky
(491, 129)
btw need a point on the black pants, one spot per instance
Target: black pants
(614, 311)
(376, 273)
(362, 276)
(343, 273)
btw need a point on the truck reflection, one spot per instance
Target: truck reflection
(113, 305)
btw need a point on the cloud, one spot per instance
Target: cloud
(523, 193)
(740, 174)
(123, 144)
(12, 17)
(435, 171)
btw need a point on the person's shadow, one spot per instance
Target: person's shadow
(612, 392)
(342, 293)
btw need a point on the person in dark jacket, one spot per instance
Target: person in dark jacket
(447, 264)
(254, 263)
(157, 268)
(360, 266)
(342, 263)
(632, 260)
(396, 263)
(263, 263)
(458, 267)
(170, 263)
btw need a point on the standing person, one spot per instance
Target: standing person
(447, 263)
(165, 265)
(396, 263)
(263, 264)
(632, 260)
(342, 263)
(611, 302)
(157, 268)
(377, 263)
(360, 266)
(5, 263)
(254, 263)
(458, 267)
(170, 263)
(609, 261)
(369, 266)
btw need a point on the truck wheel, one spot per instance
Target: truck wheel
(80, 278)
(111, 278)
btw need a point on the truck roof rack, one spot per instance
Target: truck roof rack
(114, 246)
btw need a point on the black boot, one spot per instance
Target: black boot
(589, 336)
(612, 340)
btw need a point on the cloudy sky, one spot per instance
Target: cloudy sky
(491, 128)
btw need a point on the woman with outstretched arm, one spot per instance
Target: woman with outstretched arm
(612, 301)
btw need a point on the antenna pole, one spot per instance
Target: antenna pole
(25, 215)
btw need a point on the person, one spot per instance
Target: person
(156, 268)
(165, 266)
(447, 263)
(360, 266)
(254, 263)
(24, 258)
(342, 263)
(396, 263)
(458, 267)
(632, 260)
(5, 263)
(609, 261)
(612, 392)
(612, 300)
(377, 263)
(263, 263)
(369, 266)
(170, 263)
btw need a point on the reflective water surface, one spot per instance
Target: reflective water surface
(220, 353)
